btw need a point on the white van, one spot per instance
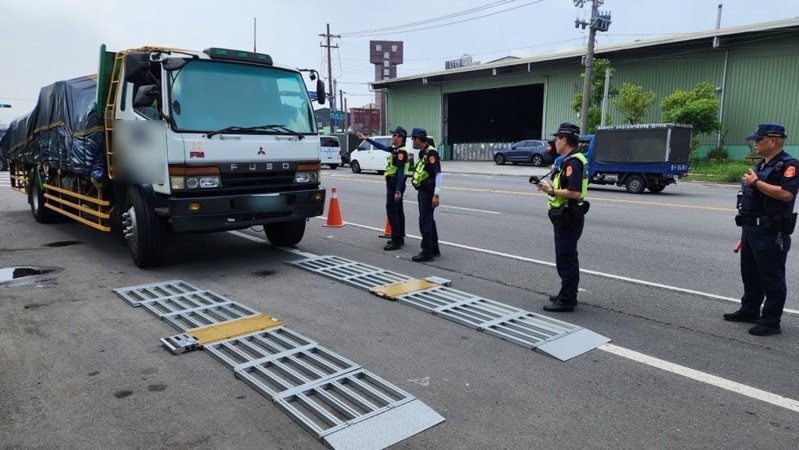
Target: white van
(331, 148)
(369, 157)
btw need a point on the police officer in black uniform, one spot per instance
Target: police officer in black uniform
(567, 206)
(427, 181)
(765, 214)
(396, 167)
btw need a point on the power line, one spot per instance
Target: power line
(447, 24)
(422, 22)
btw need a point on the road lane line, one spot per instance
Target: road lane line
(702, 377)
(590, 197)
(458, 207)
(696, 375)
(586, 271)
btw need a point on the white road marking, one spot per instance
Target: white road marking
(458, 207)
(587, 271)
(696, 375)
(702, 377)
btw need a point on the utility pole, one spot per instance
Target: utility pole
(254, 20)
(598, 22)
(346, 116)
(605, 99)
(328, 36)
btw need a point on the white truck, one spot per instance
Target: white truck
(165, 140)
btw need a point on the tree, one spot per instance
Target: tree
(597, 91)
(633, 102)
(698, 107)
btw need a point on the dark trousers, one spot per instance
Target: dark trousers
(566, 258)
(763, 272)
(427, 224)
(394, 211)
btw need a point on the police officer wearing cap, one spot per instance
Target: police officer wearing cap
(567, 207)
(765, 215)
(396, 167)
(427, 181)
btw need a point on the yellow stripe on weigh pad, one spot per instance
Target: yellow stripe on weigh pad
(233, 328)
(394, 290)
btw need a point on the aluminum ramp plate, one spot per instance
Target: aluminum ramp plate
(351, 272)
(135, 295)
(329, 395)
(552, 337)
(359, 410)
(332, 397)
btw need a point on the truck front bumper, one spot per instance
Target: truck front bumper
(241, 211)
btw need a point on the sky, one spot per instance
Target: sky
(42, 41)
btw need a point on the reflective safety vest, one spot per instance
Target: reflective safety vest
(558, 202)
(391, 169)
(419, 174)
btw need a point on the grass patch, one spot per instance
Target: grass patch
(726, 172)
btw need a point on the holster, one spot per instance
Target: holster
(560, 217)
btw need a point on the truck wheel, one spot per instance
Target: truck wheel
(41, 213)
(656, 188)
(635, 184)
(285, 234)
(499, 158)
(355, 167)
(144, 232)
(537, 160)
(381, 172)
(333, 166)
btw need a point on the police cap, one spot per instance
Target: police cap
(567, 129)
(419, 132)
(767, 130)
(400, 131)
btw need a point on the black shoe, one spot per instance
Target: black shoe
(553, 298)
(422, 257)
(764, 330)
(393, 245)
(739, 316)
(559, 306)
(437, 254)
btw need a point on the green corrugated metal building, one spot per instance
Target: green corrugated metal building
(755, 69)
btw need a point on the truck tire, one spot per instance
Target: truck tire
(656, 188)
(285, 234)
(333, 166)
(635, 184)
(143, 231)
(40, 213)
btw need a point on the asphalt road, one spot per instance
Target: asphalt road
(80, 368)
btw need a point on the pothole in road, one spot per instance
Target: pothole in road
(27, 275)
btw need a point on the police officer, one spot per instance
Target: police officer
(566, 212)
(396, 167)
(765, 214)
(427, 181)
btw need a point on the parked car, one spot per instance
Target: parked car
(532, 151)
(331, 151)
(369, 157)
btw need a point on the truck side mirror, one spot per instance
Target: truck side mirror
(320, 92)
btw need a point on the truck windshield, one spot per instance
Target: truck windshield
(211, 95)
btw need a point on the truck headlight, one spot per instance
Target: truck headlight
(307, 173)
(306, 177)
(185, 177)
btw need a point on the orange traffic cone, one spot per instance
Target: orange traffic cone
(333, 212)
(386, 230)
